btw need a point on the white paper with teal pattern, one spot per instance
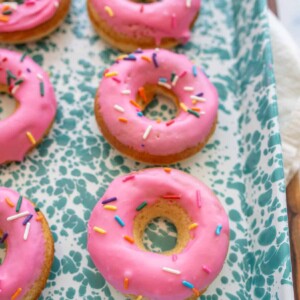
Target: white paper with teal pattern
(70, 170)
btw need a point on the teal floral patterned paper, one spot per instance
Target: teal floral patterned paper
(70, 170)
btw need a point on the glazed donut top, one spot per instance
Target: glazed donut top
(195, 267)
(29, 14)
(125, 80)
(32, 89)
(161, 19)
(22, 231)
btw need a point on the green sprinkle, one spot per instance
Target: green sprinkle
(7, 12)
(42, 89)
(172, 76)
(19, 204)
(192, 112)
(23, 56)
(141, 206)
(9, 76)
(37, 209)
(19, 81)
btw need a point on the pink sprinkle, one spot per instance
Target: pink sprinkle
(173, 21)
(142, 9)
(30, 2)
(206, 269)
(4, 59)
(128, 178)
(183, 74)
(198, 198)
(116, 79)
(174, 257)
(170, 122)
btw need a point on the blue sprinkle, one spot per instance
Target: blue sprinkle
(130, 57)
(155, 60)
(4, 237)
(109, 200)
(188, 284)
(138, 51)
(140, 114)
(120, 221)
(218, 230)
(163, 79)
(195, 72)
(27, 219)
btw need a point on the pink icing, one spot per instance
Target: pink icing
(163, 19)
(16, 271)
(28, 15)
(35, 112)
(116, 259)
(187, 130)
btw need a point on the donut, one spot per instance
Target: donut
(117, 223)
(128, 25)
(29, 20)
(29, 247)
(36, 105)
(129, 86)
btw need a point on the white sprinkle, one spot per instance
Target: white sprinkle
(126, 92)
(156, 50)
(17, 216)
(14, 89)
(166, 85)
(189, 88)
(175, 79)
(39, 76)
(201, 112)
(26, 231)
(119, 108)
(200, 99)
(188, 3)
(56, 4)
(171, 271)
(147, 132)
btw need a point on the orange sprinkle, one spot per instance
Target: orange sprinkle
(124, 120)
(111, 74)
(167, 170)
(196, 108)
(126, 283)
(146, 58)
(4, 18)
(6, 7)
(109, 11)
(193, 226)
(16, 294)
(31, 138)
(158, 121)
(135, 104)
(128, 239)
(39, 217)
(9, 202)
(194, 102)
(143, 94)
(196, 292)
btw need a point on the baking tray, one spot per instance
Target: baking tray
(242, 163)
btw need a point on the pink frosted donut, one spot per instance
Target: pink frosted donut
(127, 88)
(118, 220)
(31, 87)
(128, 25)
(29, 247)
(29, 20)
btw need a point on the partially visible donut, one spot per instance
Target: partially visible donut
(29, 248)
(119, 219)
(128, 25)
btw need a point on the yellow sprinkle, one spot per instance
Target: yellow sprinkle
(16, 294)
(9, 202)
(183, 106)
(122, 56)
(126, 283)
(128, 239)
(109, 11)
(193, 226)
(196, 108)
(146, 58)
(167, 170)
(4, 18)
(99, 230)
(124, 120)
(158, 121)
(111, 74)
(139, 297)
(135, 104)
(110, 207)
(31, 138)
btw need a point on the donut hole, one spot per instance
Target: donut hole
(159, 104)
(8, 105)
(162, 228)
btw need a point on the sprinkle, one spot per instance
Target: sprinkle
(187, 284)
(7, 200)
(120, 221)
(198, 198)
(147, 132)
(142, 94)
(141, 206)
(188, 3)
(42, 89)
(158, 121)
(163, 79)
(14, 89)
(119, 108)
(139, 50)
(109, 11)
(183, 74)
(140, 297)
(196, 292)
(193, 226)
(4, 18)
(135, 104)
(196, 109)
(16, 294)
(109, 200)
(169, 123)
(128, 239)
(173, 197)
(206, 269)
(176, 272)
(167, 170)
(142, 9)
(9, 76)
(6, 12)
(111, 74)
(27, 219)
(195, 72)
(192, 112)
(116, 79)
(126, 283)
(140, 114)
(173, 21)
(154, 59)
(19, 203)
(200, 99)
(19, 81)
(23, 56)
(56, 4)
(123, 120)
(128, 178)
(17, 216)
(39, 76)
(4, 237)
(37, 209)
(166, 85)
(31, 138)
(39, 218)
(110, 207)
(189, 88)
(130, 57)
(183, 106)
(121, 57)
(99, 230)
(27, 228)
(219, 229)
(175, 79)
(126, 92)
(200, 94)
(146, 58)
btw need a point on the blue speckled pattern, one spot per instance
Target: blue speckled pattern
(70, 170)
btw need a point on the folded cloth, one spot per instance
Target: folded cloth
(287, 72)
